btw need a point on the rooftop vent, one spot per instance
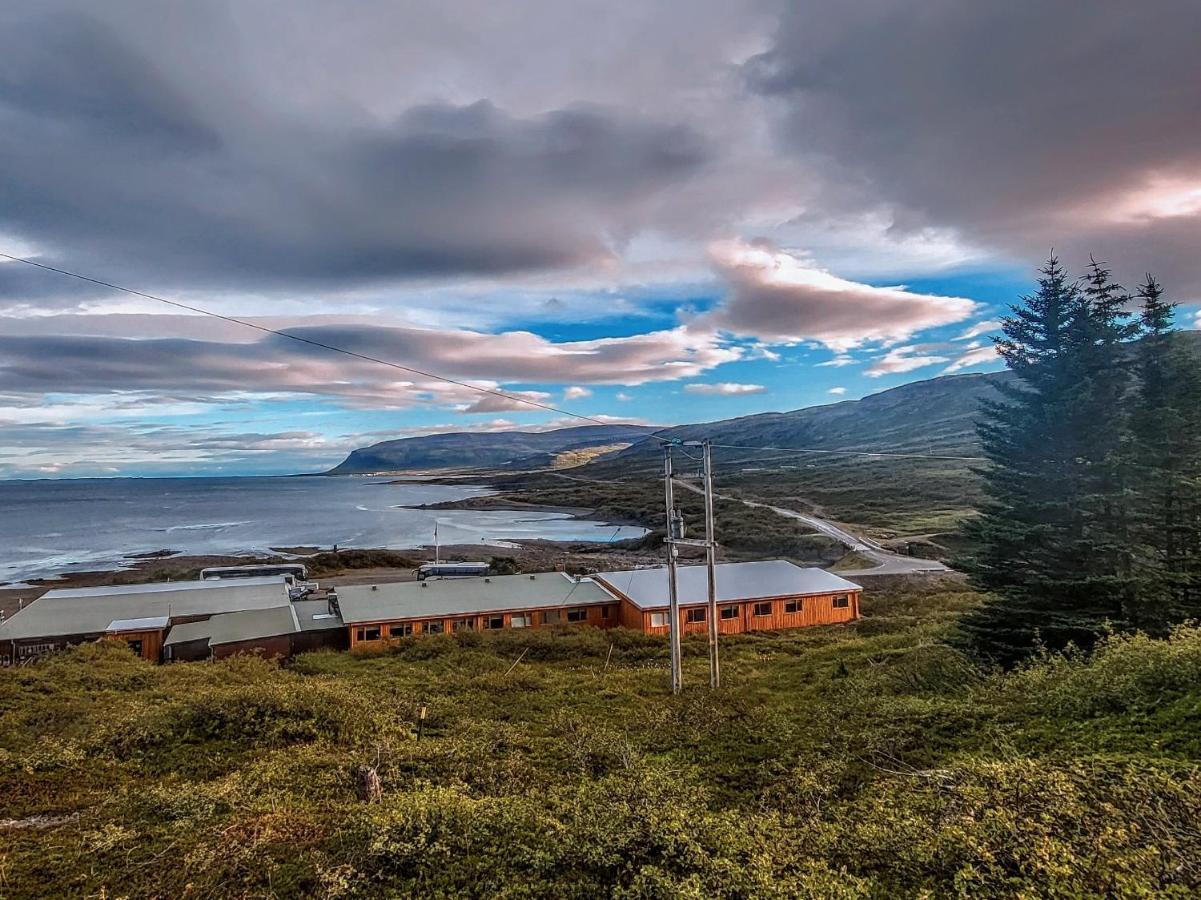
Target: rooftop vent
(487, 581)
(375, 587)
(425, 584)
(531, 578)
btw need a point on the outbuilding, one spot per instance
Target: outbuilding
(140, 614)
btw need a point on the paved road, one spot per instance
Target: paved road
(886, 562)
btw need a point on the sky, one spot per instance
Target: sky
(643, 212)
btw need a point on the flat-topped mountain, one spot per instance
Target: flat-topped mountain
(493, 449)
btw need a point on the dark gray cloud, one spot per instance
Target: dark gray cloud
(1022, 125)
(125, 161)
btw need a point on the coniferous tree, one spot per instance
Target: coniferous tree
(1165, 454)
(1047, 533)
(1102, 478)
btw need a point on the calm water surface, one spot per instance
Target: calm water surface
(52, 527)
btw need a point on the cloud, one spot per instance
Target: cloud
(903, 359)
(838, 361)
(123, 160)
(725, 389)
(980, 328)
(776, 297)
(490, 403)
(837, 390)
(575, 392)
(1003, 123)
(623, 397)
(977, 357)
(34, 364)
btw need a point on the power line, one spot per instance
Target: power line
(880, 453)
(513, 398)
(321, 344)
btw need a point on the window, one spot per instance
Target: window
(658, 620)
(762, 609)
(521, 621)
(552, 617)
(577, 615)
(697, 614)
(842, 601)
(401, 629)
(729, 612)
(792, 606)
(434, 627)
(494, 621)
(606, 612)
(369, 634)
(135, 646)
(464, 625)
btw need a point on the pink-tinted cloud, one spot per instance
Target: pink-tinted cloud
(977, 357)
(776, 297)
(37, 364)
(725, 389)
(903, 359)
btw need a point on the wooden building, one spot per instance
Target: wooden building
(751, 596)
(142, 615)
(755, 596)
(144, 636)
(377, 614)
(276, 632)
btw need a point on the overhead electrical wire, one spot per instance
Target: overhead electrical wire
(513, 398)
(881, 453)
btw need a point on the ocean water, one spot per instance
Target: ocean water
(54, 527)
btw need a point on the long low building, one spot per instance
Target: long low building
(378, 613)
(753, 596)
(193, 620)
(147, 617)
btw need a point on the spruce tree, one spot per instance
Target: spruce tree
(1046, 536)
(1165, 454)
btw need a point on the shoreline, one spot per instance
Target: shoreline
(350, 565)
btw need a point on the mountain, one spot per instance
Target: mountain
(494, 449)
(937, 416)
(933, 416)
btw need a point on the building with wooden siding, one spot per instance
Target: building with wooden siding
(377, 614)
(751, 596)
(139, 614)
(754, 596)
(279, 631)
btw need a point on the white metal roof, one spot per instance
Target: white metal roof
(84, 611)
(157, 587)
(452, 597)
(146, 623)
(647, 588)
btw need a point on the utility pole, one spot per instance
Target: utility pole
(711, 565)
(674, 533)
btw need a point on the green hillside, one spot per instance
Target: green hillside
(863, 761)
(473, 450)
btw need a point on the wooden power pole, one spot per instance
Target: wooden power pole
(674, 533)
(711, 565)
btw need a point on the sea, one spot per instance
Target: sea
(50, 528)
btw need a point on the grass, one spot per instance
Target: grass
(863, 760)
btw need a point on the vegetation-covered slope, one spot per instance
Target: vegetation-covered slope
(483, 449)
(869, 760)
